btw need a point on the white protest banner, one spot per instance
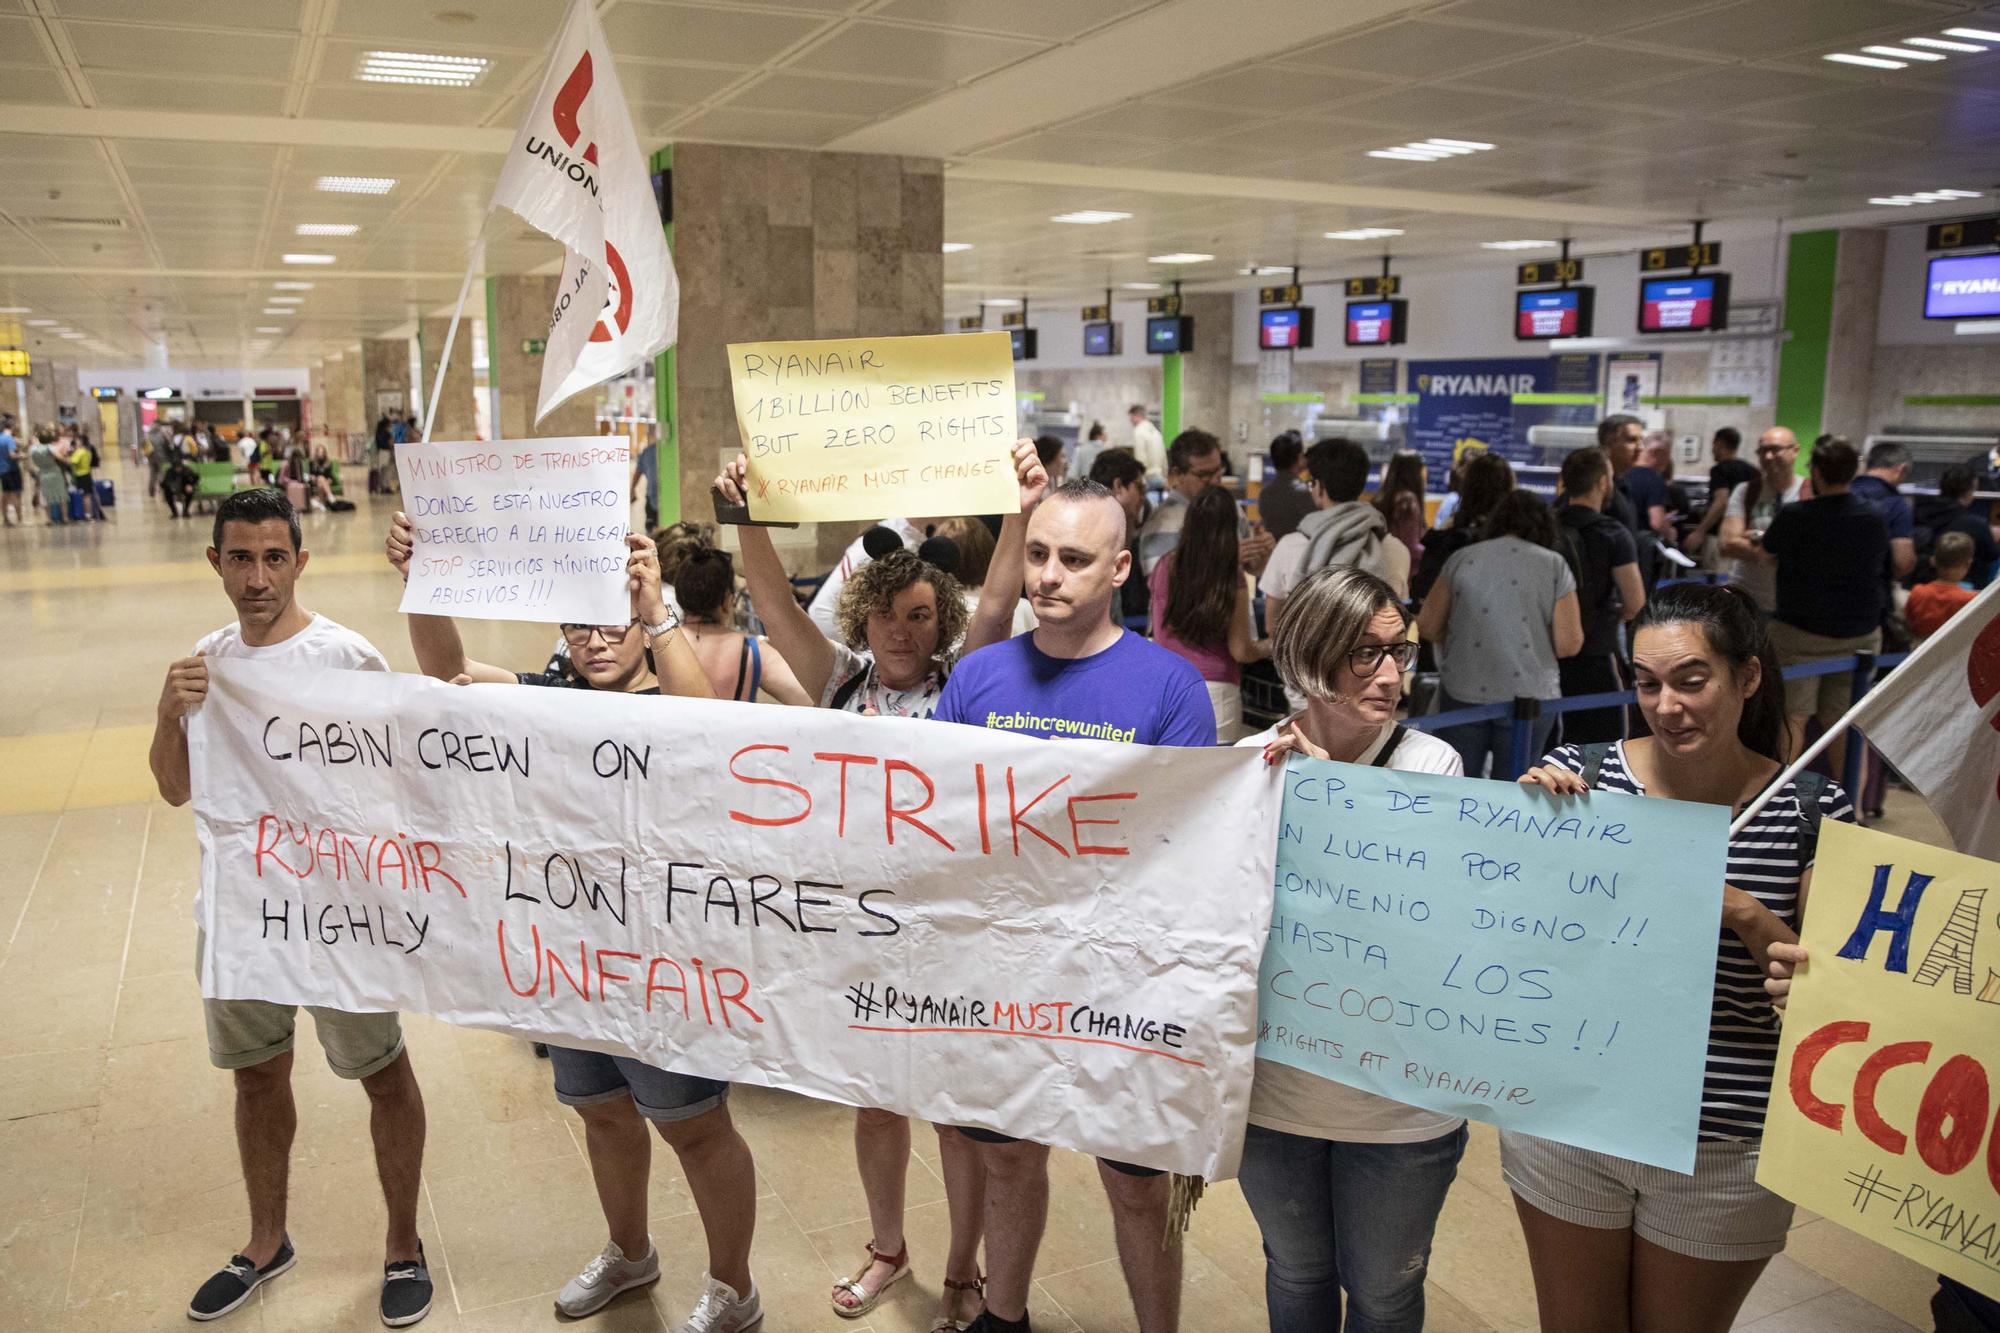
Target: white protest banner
(1049, 939)
(519, 529)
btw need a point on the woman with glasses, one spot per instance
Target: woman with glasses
(613, 1095)
(1346, 1186)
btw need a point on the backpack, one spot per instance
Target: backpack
(1811, 787)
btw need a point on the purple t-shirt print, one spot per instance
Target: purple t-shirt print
(1133, 691)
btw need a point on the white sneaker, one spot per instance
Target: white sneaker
(720, 1310)
(604, 1277)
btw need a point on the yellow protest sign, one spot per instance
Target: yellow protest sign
(1883, 1104)
(873, 427)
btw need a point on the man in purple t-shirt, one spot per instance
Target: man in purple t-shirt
(1078, 675)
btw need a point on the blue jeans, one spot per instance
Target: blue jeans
(1357, 1216)
(1475, 741)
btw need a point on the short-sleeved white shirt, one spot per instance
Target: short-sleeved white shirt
(1295, 1102)
(1760, 581)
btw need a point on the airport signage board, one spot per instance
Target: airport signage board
(1967, 234)
(1544, 271)
(1666, 258)
(1289, 294)
(1380, 284)
(14, 361)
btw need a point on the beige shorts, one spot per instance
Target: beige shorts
(245, 1033)
(1825, 697)
(1719, 1213)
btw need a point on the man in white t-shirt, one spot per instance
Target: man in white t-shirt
(825, 604)
(1148, 445)
(258, 553)
(1751, 508)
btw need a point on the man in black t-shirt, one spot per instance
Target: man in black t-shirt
(1729, 472)
(1609, 592)
(1618, 436)
(1833, 586)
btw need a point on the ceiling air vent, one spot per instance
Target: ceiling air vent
(54, 222)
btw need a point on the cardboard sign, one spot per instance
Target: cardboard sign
(1882, 1107)
(967, 925)
(518, 529)
(1491, 951)
(851, 428)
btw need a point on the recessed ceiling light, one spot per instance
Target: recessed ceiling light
(1975, 34)
(1470, 145)
(1901, 53)
(285, 300)
(1090, 217)
(1940, 44)
(72, 334)
(279, 310)
(1264, 270)
(414, 67)
(1517, 245)
(1140, 286)
(1924, 197)
(292, 286)
(999, 301)
(263, 328)
(1364, 234)
(1431, 150)
(307, 259)
(1872, 62)
(14, 309)
(356, 184)
(1179, 258)
(955, 247)
(41, 323)
(325, 229)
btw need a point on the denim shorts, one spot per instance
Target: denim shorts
(586, 1078)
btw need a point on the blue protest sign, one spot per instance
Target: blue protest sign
(1487, 950)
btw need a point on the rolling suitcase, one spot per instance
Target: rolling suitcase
(107, 494)
(75, 505)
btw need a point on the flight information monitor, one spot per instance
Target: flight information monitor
(1024, 343)
(1292, 327)
(1377, 323)
(1564, 313)
(1684, 305)
(1100, 338)
(1170, 333)
(1963, 287)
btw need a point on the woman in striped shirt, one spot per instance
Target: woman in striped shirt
(1617, 1245)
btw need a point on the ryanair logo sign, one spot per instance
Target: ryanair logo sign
(1475, 386)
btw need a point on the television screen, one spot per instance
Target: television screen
(1101, 339)
(1684, 305)
(1292, 327)
(1963, 287)
(1559, 314)
(1024, 343)
(1376, 323)
(1170, 333)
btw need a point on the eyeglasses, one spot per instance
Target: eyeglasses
(1775, 450)
(1367, 659)
(579, 635)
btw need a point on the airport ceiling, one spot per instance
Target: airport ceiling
(159, 157)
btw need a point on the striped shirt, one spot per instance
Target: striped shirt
(1766, 861)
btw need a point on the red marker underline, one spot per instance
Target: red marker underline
(1044, 1036)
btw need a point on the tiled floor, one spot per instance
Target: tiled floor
(119, 1188)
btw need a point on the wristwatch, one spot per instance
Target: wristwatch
(663, 628)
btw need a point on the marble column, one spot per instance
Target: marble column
(385, 370)
(51, 386)
(520, 305)
(1850, 349)
(779, 243)
(457, 417)
(1205, 372)
(343, 413)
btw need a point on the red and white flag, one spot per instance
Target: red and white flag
(1935, 719)
(575, 171)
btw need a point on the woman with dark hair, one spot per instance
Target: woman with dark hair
(739, 666)
(1615, 1243)
(1502, 612)
(1400, 499)
(1201, 606)
(1346, 1186)
(1483, 478)
(903, 623)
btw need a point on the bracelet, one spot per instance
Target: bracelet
(664, 627)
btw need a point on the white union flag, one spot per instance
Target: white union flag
(576, 172)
